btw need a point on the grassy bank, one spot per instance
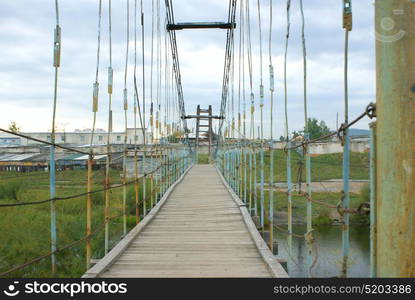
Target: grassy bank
(323, 167)
(26, 229)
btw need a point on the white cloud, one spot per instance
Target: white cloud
(26, 72)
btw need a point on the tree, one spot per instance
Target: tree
(317, 129)
(13, 127)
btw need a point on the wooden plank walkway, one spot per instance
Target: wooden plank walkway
(199, 231)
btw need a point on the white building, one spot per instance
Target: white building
(78, 137)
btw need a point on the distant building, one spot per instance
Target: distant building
(78, 137)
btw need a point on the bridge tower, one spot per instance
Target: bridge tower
(204, 131)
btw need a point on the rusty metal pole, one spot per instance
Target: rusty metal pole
(89, 214)
(395, 143)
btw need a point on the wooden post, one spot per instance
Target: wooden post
(210, 133)
(136, 189)
(395, 142)
(197, 132)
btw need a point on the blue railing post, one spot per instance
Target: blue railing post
(53, 234)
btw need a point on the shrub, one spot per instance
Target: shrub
(10, 191)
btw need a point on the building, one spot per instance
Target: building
(78, 137)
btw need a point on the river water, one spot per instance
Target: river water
(328, 250)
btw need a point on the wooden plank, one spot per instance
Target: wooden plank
(273, 264)
(199, 231)
(115, 252)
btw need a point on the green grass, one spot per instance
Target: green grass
(202, 158)
(26, 229)
(321, 214)
(323, 167)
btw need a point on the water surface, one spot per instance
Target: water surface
(328, 252)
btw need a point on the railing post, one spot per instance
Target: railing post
(262, 198)
(144, 181)
(89, 212)
(124, 192)
(289, 204)
(53, 235)
(245, 175)
(271, 198)
(252, 206)
(136, 189)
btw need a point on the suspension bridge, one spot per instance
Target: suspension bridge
(172, 217)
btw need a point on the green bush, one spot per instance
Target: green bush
(10, 191)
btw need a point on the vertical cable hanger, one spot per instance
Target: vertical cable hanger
(136, 105)
(159, 62)
(96, 83)
(252, 163)
(125, 122)
(144, 104)
(91, 154)
(240, 164)
(52, 168)
(287, 133)
(308, 237)
(108, 159)
(151, 71)
(244, 151)
(261, 131)
(233, 90)
(347, 26)
(261, 85)
(250, 71)
(271, 172)
(135, 75)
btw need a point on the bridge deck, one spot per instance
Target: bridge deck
(198, 232)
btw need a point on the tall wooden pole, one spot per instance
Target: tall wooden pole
(395, 141)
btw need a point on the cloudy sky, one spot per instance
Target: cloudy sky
(26, 71)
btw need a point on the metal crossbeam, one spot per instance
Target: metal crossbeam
(201, 25)
(203, 117)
